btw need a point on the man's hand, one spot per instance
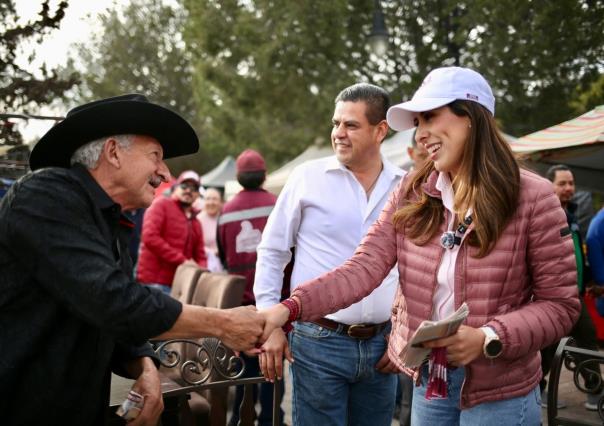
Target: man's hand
(463, 347)
(148, 385)
(271, 358)
(240, 328)
(384, 365)
(275, 317)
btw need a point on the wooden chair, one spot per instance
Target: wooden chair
(216, 290)
(184, 282)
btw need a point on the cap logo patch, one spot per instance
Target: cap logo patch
(472, 97)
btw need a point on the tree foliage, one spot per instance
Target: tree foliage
(266, 72)
(263, 73)
(140, 50)
(20, 87)
(537, 55)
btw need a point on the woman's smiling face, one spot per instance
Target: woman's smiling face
(444, 135)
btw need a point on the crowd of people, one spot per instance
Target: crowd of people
(341, 268)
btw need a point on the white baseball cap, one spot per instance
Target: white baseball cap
(441, 87)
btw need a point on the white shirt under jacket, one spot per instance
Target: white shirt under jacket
(324, 213)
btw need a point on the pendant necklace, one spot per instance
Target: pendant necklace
(450, 239)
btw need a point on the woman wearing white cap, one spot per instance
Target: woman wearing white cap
(469, 226)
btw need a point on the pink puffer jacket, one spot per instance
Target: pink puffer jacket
(525, 288)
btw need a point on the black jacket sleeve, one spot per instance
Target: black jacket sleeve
(56, 226)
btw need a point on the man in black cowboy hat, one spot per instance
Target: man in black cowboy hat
(69, 309)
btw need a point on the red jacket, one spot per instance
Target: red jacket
(168, 239)
(240, 229)
(525, 288)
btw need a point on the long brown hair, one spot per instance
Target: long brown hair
(488, 181)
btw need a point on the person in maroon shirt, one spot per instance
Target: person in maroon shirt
(243, 219)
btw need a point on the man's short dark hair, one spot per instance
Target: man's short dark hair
(251, 180)
(551, 172)
(375, 97)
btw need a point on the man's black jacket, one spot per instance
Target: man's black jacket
(69, 309)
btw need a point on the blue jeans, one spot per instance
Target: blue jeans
(523, 410)
(161, 287)
(334, 379)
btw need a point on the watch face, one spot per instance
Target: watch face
(494, 348)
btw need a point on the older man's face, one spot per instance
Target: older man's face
(144, 171)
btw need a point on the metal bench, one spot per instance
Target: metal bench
(578, 361)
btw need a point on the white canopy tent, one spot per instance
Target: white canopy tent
(219, 175)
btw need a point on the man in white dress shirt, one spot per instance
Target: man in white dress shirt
(341, 374)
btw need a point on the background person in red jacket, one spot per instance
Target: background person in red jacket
(239, 232)
(171, 235)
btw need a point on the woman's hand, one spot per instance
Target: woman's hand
(463, 347)
(275, 317)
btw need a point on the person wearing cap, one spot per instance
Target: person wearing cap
(341, 374)
(470, 226)
(171, 235)
(70, 311)
(240, 229)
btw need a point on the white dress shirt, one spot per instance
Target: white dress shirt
(444, 296)
(324, 213)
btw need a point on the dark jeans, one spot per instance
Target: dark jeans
(252, 369)
(584, 334)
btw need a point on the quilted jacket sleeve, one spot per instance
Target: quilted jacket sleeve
(550, 257)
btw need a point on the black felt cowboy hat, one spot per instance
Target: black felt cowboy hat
(127, 114)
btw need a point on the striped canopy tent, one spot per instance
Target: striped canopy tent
(577, 143)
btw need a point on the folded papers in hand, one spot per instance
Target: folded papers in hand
(414, 354)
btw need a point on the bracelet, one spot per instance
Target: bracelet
(294, 309)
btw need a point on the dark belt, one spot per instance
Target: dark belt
(356, 331)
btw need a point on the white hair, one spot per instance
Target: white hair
(89, 153)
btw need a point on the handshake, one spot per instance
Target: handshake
(245, 328)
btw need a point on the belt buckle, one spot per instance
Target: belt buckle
(352, 327)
